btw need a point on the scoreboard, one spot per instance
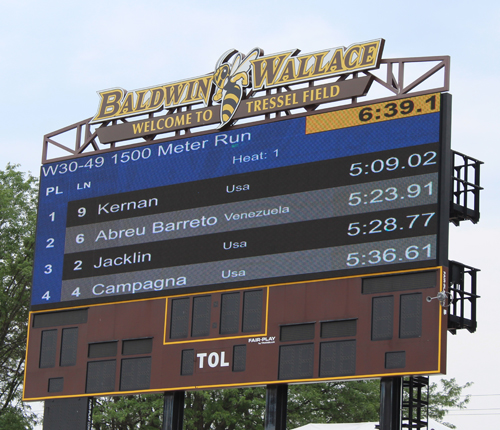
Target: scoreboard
(281, 252)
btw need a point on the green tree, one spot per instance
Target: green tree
(18, 198)
(333, 402)
(449, 396)
(243, 408)
(128, 413)
(231, 409)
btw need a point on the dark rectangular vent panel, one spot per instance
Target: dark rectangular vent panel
(230, 313)
(179, 319)
(289, 333)
(103, 349)
(137, 346)
(390, 284)
(48, 349)
(239, 358)
(410, 318)
(382, 317)
(296, 361)
(252, 311)
(337, 358)
(56, 385)
(135, 374)
(342, 328)
(395, 360)
(53, 319)
(201, 316)
(187, 364)
(69, 346)
(101, 376)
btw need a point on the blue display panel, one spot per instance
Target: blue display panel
(251, 206)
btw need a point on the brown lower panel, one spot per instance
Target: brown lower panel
(168, 362)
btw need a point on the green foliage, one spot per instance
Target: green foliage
(446, 398)
(18, 197)
(333, 402)
(231, 409)
(244, 408)
(128, 413)
(17, 418)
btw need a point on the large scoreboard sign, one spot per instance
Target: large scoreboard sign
(292, 251)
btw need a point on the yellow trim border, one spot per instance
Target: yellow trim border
(255, 383)
(218, 338)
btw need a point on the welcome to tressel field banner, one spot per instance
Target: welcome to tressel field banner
(221, 94)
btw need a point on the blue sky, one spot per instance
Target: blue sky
(56, 55)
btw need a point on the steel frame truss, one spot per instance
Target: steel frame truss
(462, 297)
(415, 410)
(466, 188)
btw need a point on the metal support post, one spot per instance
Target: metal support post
(276, 404)
(391, 401)
(173, 410)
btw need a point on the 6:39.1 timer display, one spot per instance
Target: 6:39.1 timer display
(397, 109)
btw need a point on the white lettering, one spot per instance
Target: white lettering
(201, 356)
(213, 359)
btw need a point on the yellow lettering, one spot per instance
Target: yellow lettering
(265, 69)
(173, 93)
(156, 98)
(288, 72)
(267, 72)
(158, 123)
(369, 54)
(204, 88)
(318, 60)
(336, 64)
(349, 61)
(192, 85)
(207, 115)
(305, 96)
(198, 89)
(127, 105)
(138, 127)
(303, 73)
(141, 105)
(179, 120)
(110, 103)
